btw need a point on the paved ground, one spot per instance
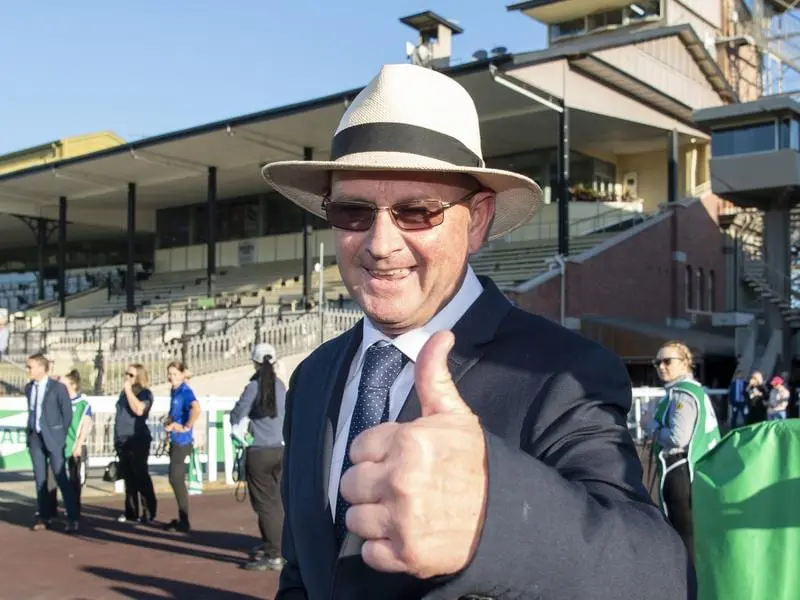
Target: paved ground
(110, 560)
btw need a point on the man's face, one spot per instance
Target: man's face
(401, 278)
(35, 369)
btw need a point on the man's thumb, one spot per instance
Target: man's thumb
(435, 388)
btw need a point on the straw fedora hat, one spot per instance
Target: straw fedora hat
(409, 118)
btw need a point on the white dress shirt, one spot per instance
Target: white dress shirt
(37, 398)
(410, 344)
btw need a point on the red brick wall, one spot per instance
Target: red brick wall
(632, 279)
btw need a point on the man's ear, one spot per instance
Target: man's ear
(482, 212)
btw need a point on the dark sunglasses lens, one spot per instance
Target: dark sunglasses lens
(352, 217)
(419, 215)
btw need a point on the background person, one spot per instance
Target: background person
(263, 401)
(184, 410)
(684, 427)
(49, 417)
(76, 450)
(132, 439)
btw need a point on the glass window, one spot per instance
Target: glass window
(712, 291)
(701, 290)
(759, 137)
(572, 27)
(172, 227)
(607, 18)
(790, 134)
(688, 283)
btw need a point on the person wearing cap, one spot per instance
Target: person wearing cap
(263, 402)
(778, 401)
(450, 445)
(683, 428)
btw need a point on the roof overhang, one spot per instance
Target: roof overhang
(585, 46)
(747, 112)
(558, 11)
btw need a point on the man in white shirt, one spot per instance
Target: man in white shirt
(451, 445)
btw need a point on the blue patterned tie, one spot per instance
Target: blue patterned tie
(382, 365)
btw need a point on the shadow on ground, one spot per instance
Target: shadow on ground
(177, 590)
(99, 524)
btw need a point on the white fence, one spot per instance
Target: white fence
(212, 432)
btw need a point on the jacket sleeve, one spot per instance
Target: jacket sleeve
(65, 405)
(290, 585)
(244, 405)
(567, 515)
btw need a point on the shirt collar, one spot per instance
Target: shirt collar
(411, 342)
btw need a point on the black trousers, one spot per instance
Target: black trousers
(177, 478)
(74, 469)
(263, 468)
(133, 454)
(678, 501)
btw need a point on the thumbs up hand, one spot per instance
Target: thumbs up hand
(418, 489)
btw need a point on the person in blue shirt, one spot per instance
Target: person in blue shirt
(184, 410)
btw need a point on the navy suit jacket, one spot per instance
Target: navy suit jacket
(567, 515)
(56, 414)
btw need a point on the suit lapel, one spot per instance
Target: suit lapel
(334, 382)
(472, 331)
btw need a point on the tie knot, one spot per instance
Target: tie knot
(382, 365)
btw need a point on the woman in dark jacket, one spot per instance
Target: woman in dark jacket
(756, 394)
(132, 442)
(263, 401)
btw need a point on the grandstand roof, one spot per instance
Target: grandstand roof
(171, 169)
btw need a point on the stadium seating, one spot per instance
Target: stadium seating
(512, 263)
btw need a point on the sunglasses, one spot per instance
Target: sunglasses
(412, 215)
(664, 361)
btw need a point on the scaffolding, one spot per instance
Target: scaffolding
(761, 41)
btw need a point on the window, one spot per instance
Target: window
(568, 28)
(688, 284)
(759, 137)
(701, 290)
(790, 134)
(636, 12)
(712, 291)
(172, 227)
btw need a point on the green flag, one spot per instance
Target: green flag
(195, 474)
(746, 507)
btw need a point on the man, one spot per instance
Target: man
(49, 418)
(450, 445)
(737, 400)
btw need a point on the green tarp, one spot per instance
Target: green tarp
(746, 506)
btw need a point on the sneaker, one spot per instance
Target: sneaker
(72, 527)
(264, 564)
(257, 551)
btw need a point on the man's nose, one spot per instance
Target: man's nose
(385, 237)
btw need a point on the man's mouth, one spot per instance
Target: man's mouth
(389, 274)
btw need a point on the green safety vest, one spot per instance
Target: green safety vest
(80, 408)
(705, 436)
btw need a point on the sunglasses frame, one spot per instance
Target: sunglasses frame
(443, 206)
(667, 360)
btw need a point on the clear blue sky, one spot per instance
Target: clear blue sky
(149, 67)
